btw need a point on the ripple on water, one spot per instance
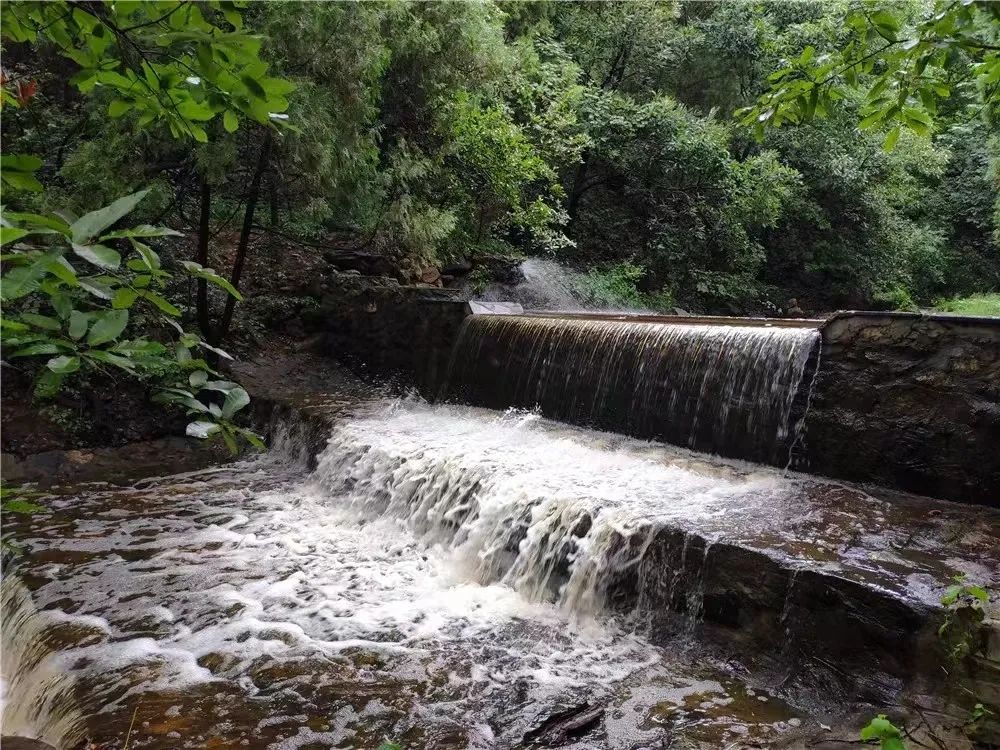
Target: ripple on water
(437, 579)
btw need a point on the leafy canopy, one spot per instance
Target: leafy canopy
(184, 64)
(906, 69)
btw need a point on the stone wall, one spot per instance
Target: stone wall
(909, 401)
(389, 330)
(901, 400)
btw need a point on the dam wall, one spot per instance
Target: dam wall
(391, 331)
(908, 401)
(903, 400)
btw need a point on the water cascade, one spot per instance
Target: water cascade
(451, 576)
(730, 390)
(545, 285)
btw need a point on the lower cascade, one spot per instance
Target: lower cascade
(455, 577)
(726, 389)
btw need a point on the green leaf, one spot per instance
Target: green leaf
(124, 298)
(97, 288)
(9, 234)
(20, 162)
(890, 140)
(36, 349)
(230, 441)
(99, 255)
(161, 303)
(119, 107)
(90, 225)
(108, 326)
(22, 181)
(198, 378)
(41, 321)
(212, 277)
(230, 121)
(12, 325)
(201, 429)
(235, 400)
(253, 86)
(253, 438)
(63, 270)
(21, 506)
(63, 365)
(978, 592)
(99, 355)
(49, 222)
(78, 323)
(143, 230)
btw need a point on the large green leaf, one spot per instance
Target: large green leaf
(161, 303)
(49, 222)
(47, 347)
(78, 322)
(99, 255)
(23, 280)
(143, 230)
(235, 400)
(211, 276)
(99, 355)
(107, 327)
(90, 225)
(201, 429)
(41, 321)
(9, 234)
(97, 288)
(63, 365)
(124, 298)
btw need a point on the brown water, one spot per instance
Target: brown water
(441, 579)
(729, 390)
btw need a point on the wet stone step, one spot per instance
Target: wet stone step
(452, 577)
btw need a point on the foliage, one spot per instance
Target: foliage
(883, 731)
(976, 304)
(908, 68)
(965, 610)
(428, 133)
(164, 62)
(184, 65)
(14, 499)
(614, 286)
(19, 500)
(75, 302)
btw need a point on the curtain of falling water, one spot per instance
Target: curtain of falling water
(722, 389)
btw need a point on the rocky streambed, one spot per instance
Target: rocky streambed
(446, 577)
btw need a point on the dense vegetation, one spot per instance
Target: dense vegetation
(860, 168)
(602, 133)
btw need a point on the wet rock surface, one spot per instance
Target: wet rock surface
(453, 577)
(909, 401)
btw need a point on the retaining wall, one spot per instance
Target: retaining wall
(903, 400)
(909, 401)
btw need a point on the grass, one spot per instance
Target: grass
(976, 304)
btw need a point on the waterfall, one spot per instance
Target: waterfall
(722, 389)
(545, 285)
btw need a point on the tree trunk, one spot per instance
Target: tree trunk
(204, 227)
(241, 249)
(578, 182)
(273, 195)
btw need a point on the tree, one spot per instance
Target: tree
(908, 69)
(165, 64)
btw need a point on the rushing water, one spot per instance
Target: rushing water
(545, 285)
(447, 576)
(721, 389)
